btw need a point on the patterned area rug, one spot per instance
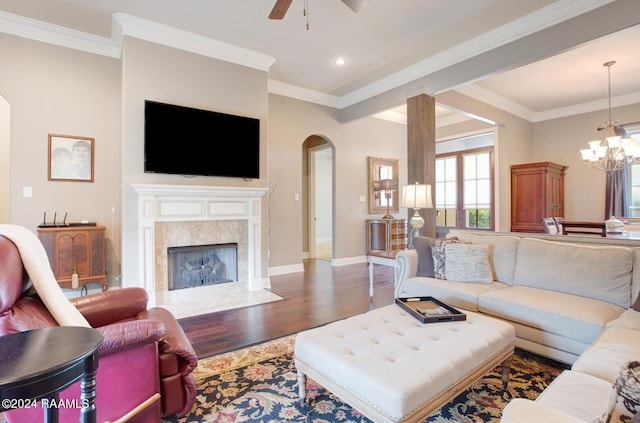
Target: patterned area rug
(259, 384)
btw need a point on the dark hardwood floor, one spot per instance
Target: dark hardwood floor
(319, 295)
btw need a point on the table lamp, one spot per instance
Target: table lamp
(416, 197)
(388, 186)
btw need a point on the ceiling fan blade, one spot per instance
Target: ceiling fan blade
(280, 9)
(356, 5)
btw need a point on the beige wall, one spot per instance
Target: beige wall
(560, 141)
(155, 72)
(291, 122)
(57, 90)
(5, 156)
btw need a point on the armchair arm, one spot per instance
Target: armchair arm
(174, 340)
(407, 261)
(107, 307)
(129, 334)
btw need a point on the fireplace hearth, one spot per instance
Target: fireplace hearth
(198, 265)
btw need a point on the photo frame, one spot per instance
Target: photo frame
(71, 158)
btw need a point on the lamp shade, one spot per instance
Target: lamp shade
(388, 185)
(417, 196)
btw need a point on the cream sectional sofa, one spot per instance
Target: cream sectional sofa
(569, 298)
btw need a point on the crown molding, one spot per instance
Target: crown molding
(132, 26)
(304, 94)
(126, 25)
(492, 99)
(591, 106)
(57, 35)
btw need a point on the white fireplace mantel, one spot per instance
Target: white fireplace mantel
(189, 203)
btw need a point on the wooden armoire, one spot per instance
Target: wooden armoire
(537, 191)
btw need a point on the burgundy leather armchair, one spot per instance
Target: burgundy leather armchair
(144, 351)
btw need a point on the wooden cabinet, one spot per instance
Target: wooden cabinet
(387, 235)
(537, 191)
(79, 247)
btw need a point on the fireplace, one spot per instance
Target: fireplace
(197, 265)
(181, 215)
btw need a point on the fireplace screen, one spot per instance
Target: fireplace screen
(199, 265)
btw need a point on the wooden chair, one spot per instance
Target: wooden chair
(550, 226)
(559, 221)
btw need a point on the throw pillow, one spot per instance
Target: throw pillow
(425, 259)
(624, 402)
(437, 253)
(467, 263)
(636, 305)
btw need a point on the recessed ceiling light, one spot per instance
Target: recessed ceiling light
(340, 61)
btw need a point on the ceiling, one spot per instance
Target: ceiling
(388, 41)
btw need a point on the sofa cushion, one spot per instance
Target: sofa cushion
(457, 294)
(438, 255)
(467, 263)
(602, 273)
(577, 394)
(635, 284)
(422, 244)
(502, 253)
(603, 358)
(571, 316)
(624, 402)
(629, 319)
(636, 304)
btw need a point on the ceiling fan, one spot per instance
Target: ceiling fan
(281, 7)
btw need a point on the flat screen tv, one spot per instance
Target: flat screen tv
(187, 141)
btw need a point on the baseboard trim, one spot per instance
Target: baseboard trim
(283, 270)
(293, 268)
(349, 260)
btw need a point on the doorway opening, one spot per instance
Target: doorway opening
(318, 161)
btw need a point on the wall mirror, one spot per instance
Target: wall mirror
(383, 186)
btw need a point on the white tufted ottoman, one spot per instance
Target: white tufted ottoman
(392, 368)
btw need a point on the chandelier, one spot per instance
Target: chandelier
(614, 152)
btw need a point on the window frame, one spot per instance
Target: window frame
(460, 210)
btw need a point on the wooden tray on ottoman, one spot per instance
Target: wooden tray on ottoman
(430, 310)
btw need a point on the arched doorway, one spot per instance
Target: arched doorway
(318, 162)
(5, 153)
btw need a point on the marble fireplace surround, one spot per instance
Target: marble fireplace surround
(180, 215)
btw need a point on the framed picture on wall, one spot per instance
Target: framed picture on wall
(71, 158)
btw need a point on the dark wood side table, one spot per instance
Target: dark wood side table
(76, 249)
(38, 364)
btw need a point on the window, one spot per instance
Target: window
(633, 187)
(464, 183)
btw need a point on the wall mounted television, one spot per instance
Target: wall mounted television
(187, 141)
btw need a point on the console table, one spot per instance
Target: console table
(38, 364)
(385, 258)
(386, 235)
